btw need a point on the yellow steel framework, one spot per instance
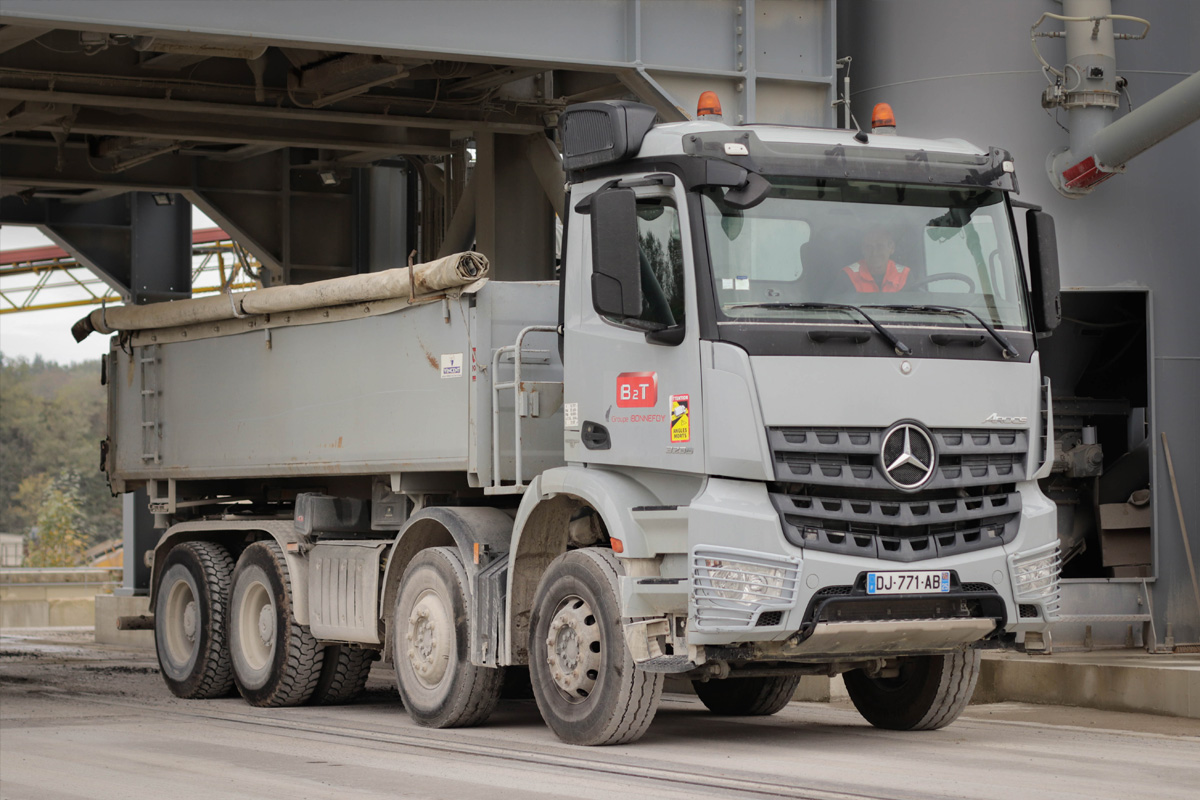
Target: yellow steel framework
(27, 275)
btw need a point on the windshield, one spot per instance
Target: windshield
(908, 252)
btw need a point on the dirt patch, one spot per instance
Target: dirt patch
(121, 669)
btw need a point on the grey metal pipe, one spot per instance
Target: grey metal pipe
(1086, 52)
(1110, 148)
(1171, 111)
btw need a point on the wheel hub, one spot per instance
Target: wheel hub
(189, 621)
(573, 649)
(430, 637)
(266, 625)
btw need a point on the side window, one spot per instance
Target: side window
(660, 249)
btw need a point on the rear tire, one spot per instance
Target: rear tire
(929, 693)
(439, 685)
(584, 680)
(276, 661)
(747, 697)
(191, 620)
(344, 673)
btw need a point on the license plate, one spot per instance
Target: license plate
(916, 582)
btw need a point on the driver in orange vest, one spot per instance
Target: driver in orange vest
(877, 272)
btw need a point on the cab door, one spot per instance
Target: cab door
(632, 379)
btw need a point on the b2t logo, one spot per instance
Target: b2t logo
(637, 390)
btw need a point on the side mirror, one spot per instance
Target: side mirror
(616, 268)
(1043, 271)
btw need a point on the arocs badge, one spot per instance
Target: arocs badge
(637, 390)
(681, 421)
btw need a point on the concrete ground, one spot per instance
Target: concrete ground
(82, 720)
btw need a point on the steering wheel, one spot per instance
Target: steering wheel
(920, 283)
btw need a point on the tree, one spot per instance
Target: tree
(52, 419)
(60, 537)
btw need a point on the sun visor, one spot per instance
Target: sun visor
(603, 132)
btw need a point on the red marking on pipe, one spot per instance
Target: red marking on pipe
(1085, 174)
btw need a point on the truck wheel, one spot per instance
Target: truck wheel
(191, 618)
(439, 685)
(585, 683)
(747, 697)
(929, 693)
(344, 672)
(276, 661)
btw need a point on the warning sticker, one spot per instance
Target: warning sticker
(452, 365)
(681, 421)
(570, 415)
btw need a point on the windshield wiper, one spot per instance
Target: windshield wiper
(900, 347)
(1009, 350)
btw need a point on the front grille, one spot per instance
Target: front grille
(848, 506)
(769, 619)
(849, 457)
(899, 530)
(978, 587)
(731, 588)
(1027, 611)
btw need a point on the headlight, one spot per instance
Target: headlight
(729, 582)
(730, 587)
(1035, 577)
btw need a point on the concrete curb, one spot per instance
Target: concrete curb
(1108, 680)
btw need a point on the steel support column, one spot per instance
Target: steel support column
(139, 243)
(137, 536)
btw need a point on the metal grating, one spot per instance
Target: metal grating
(899, 530)
(849, 457)
(1035, 577)
(731, 587)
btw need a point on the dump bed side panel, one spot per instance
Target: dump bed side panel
(398, 392)
(363, 396)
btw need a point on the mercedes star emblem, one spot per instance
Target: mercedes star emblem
(907, 455)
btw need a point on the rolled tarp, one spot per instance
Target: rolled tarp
(449, 272)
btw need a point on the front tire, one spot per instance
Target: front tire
(747, 697)
(584, 680)
(276, 661)
(191, 620)
(439, 685)
(929, 693)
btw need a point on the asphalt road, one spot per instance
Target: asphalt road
(79, 720)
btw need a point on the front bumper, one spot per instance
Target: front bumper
(746, 583)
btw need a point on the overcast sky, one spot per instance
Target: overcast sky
(44, 333)
(48, 333)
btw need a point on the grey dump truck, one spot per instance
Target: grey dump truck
(782, 415)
